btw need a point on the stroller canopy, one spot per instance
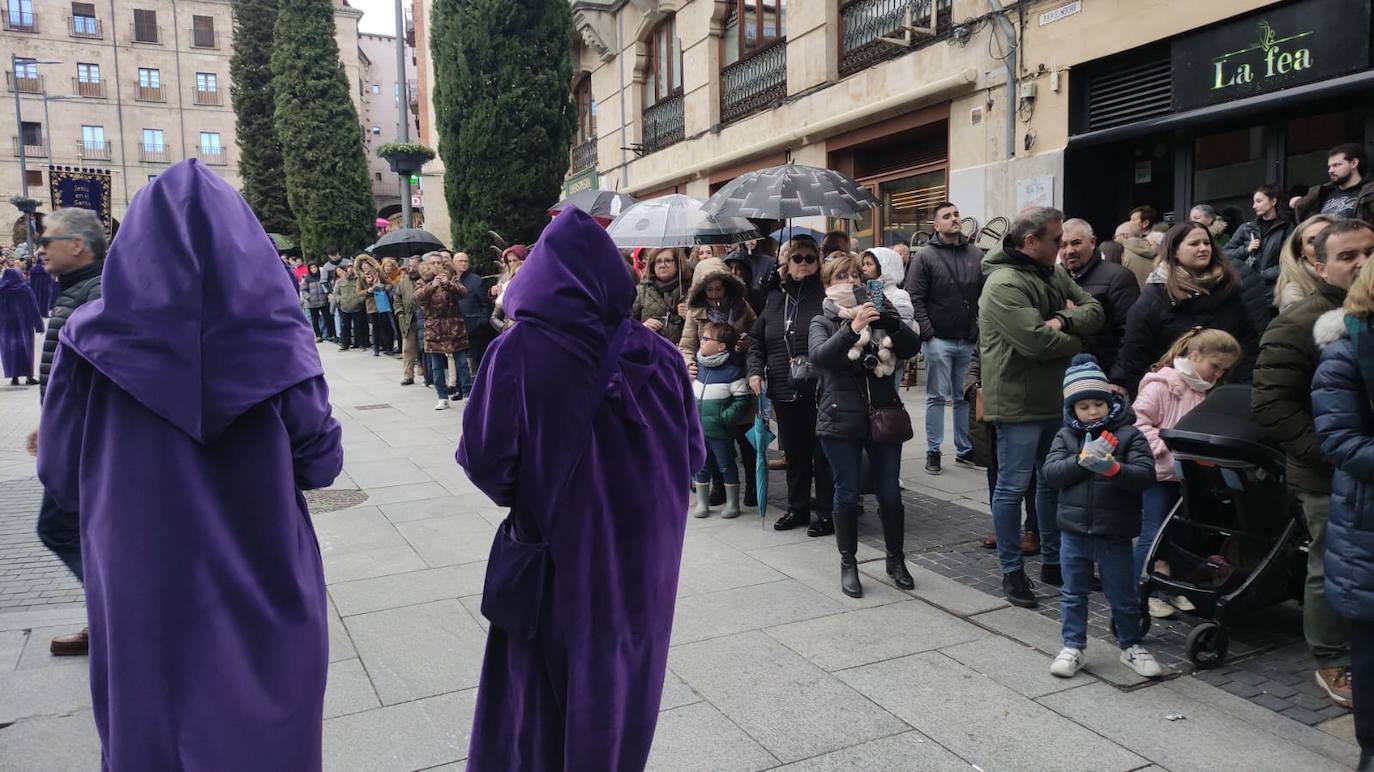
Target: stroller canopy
(1223, 429)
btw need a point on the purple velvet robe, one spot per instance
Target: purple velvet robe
(44, 287)
(584, 694)
(186, 411)
(19, 322)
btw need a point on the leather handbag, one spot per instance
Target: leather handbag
(519, 571)
(887, 425)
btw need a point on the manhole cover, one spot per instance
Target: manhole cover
(378, 406)
(330, 501)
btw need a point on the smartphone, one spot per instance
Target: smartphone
(875, 292)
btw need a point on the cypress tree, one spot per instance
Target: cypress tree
(504, 113)
(321, 137)
(250, 71)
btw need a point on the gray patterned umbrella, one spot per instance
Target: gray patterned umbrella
(676, 221)
(790, 190)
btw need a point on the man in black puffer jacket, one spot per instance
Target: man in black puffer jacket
(1114, 287)
(73, 246)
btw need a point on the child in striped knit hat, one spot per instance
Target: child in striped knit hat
(1100, 463)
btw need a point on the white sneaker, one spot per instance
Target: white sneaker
(1067, 663)
(1183, 604)
(1141, 661)
(1159, 609)
(441, 405)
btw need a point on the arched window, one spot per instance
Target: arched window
(663, 80)
(586, 111)
(753, 25)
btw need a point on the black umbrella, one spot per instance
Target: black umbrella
(790, 190)
(405, 242)
(603, 204)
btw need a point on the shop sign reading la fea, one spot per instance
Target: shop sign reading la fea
(1289, 45)
(1272, 56)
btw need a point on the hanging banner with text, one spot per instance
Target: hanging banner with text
(1281, 47)
(82, 188)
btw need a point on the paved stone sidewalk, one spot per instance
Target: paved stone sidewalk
(771, 665)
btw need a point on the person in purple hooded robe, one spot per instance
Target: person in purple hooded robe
(186, 411)
(43, 286)
(19, 322)
(583, 693)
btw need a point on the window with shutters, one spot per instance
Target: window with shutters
(145, 27)
(203, 32)
(83, 21)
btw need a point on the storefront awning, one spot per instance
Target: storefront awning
(1287, 98)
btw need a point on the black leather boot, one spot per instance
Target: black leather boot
(847, 540)
(894, 539)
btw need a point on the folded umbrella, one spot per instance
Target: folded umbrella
(676, 221)
(791, 190)
(405, 242)
(760, 437)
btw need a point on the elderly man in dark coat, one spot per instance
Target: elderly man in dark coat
(1112, 285)
(186, 412)
(569, 400)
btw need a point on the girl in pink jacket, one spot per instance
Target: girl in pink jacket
(1176, 384)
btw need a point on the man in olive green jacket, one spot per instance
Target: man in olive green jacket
(1032, 319)
(403, 298)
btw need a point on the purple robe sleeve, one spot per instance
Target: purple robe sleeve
(489, 450)
(316, 438)
(61, 428)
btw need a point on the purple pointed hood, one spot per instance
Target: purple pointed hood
(11, 280)
(196, 319)
(574, 279)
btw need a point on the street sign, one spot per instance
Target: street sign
(1063, 11)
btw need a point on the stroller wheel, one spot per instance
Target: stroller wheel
(1144, 625)
(1207, 645)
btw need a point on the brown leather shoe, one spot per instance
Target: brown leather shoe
(73, 645)
(1335, 681)
(777, 463)
(1030, 543)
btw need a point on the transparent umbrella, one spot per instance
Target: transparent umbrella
(676, 221)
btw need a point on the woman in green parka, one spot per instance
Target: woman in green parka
(659, 299)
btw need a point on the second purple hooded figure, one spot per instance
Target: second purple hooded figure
(186, 412)
(20, 320)
(583, 694)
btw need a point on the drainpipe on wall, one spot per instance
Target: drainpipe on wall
(119, 113)
(620, 75)
(1009, 35)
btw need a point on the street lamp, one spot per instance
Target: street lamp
(23, 151)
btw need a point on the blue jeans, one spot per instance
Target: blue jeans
(438, 372)
(723, 454)
(1021, 450)
(1113, 559)
(884, 467)
(946, 365)
(1156, 503)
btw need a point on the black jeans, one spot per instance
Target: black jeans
(382, 341)
(1362, 681)
(323, 322)
(354, 332)
(60, 531)
(805, 458)
(480, 335)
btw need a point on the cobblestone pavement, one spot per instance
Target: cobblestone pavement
(771, 665)
(31, 577)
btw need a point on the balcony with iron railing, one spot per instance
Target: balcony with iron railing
(212, 155)
(201, 38)
(150, 94)
(754, 83)
(664, 124)
(93, 150)
(151, 34)
(29, 147)
(413, 95)
(150, 153)
(24, 21)
(863, 22)
(583, 157)
(95, 89)
(211, 97)
(24, 84)
(87, 27)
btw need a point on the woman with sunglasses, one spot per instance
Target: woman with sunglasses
(779, 351)
(849, 388)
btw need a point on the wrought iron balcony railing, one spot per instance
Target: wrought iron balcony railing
(23, 21)
(30, 147)
(862, 22)
(94, 89)
(24, 84)
(150, 94)
(583, 157)
(150, 153)
(87, 27)
(213, 97)
(214, 156)
(664, 124)
(754, 83)
(94, 150)
(203, 38)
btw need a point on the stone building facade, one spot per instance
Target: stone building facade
(128, 87)
(381, 112)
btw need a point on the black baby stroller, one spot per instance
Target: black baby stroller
(1234, 541)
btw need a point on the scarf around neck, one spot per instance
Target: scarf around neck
(841, 298)
(1191, 284)
(1114, 411)
(714, 360)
